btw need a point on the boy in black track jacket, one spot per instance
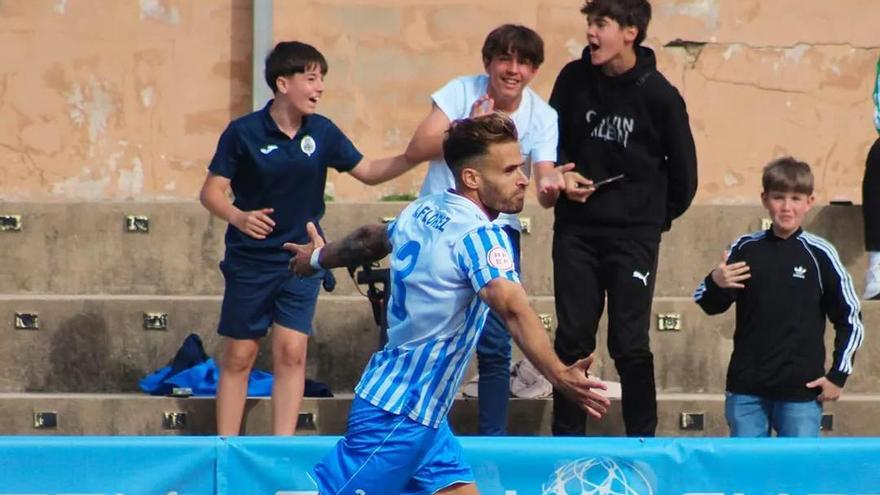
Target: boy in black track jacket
(784, 281)
(617, 115)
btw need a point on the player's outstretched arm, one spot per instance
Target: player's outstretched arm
(508, 300)
(366, 244)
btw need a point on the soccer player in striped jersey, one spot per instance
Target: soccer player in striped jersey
(449, 265)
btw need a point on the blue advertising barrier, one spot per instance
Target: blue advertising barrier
(503, 466)
(108, 465)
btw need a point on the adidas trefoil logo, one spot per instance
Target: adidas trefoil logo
(268, 149)
(799, 272)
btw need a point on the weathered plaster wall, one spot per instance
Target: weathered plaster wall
(104, 99)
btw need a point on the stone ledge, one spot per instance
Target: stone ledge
(131, 414)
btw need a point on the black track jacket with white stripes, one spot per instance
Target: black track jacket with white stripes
(778, 344)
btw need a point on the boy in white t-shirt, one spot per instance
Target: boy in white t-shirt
(511, 56)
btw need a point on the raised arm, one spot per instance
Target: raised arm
(372, 172)
(427, 142)
(718, 290)
(509, 301)
(365, 244)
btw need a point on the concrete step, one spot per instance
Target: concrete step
(99, 343)
(83, 248)
(128, 414)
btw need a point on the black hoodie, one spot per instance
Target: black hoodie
(634, 124)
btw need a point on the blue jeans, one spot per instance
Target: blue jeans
(753, 416)
(493, 364)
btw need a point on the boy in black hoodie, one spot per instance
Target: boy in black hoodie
(617, 116)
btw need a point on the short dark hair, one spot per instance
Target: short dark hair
(513, 38)
(626, 12)
(467, 139)
(787, 174)
(289, 58)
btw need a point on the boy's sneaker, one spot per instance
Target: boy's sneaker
(872, 283)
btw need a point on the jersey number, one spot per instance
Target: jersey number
(408, 255)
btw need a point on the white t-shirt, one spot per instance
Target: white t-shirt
(536, 123)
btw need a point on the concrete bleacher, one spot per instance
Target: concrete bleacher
(91, 282)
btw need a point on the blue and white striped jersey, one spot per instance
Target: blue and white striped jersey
(445, 249)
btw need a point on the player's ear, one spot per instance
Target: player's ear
(470, 178)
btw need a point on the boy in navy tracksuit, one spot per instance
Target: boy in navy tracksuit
(275, 162)
(785, 282)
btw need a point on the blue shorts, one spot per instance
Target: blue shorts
(254, 298)
(385, 453)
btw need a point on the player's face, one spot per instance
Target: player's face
(787, 210)
(302, 90)
(607, 39)
(509, 75)
(503, 185)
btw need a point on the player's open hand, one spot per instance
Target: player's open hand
(581, 389)
(577, 187)
(256, 223)
(731, 276)
(829, 392)
(302, 253)
(483, 106)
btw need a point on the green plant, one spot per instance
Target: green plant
(399, 197)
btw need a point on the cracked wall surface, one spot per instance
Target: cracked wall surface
(117, 99)
(126, 99)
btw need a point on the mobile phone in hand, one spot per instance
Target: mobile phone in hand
(607, 181)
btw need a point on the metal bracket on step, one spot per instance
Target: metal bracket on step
(526, 223)
(137, 223)
(306, 421)
(547, 321)
(174, 420)
(155, 321)
(827, 423)
(669, 322)
(27, 321)
(692, 421)
(181, 392)
(45, 420)
(10, 223)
